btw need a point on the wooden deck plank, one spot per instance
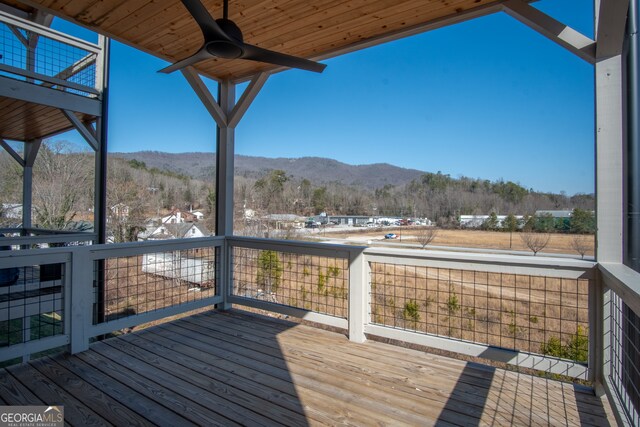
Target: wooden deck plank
(223, 368)
(207, 370)
(233, 404)
(438, 393)
(86, 392)
(75, 412)
(373, 400)
(359, 403)
(323, 412)
(15, 393)
(396, 374)
(161, 405)
(409, 357)
(145, 409)
(542, 390)
(334, 367)
(199, 401)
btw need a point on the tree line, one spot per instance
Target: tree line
(436, 196)
(64, 191)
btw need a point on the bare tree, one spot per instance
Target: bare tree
(127, 199)
(62, 179)
(535, 241)
(581, 243)
(426, 235)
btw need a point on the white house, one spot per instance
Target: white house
(120, 211)
(177, 217)
(199, 215)
(183, 230)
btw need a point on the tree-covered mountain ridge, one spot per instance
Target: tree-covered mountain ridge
(201, 165)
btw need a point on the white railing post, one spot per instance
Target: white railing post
(223, 282)
(81, 314)
(358, 295)
(596, 332)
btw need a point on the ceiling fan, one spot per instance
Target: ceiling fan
(223, 39)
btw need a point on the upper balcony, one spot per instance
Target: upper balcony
(45, 76)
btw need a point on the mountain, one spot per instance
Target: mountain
(316, 169)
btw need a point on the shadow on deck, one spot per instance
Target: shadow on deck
(233, 368)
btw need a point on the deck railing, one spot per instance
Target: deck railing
(526, 311)
(562, 316)
(39, 55)
(66, 296)
(620, 349)
(28, 238)
(294, 278)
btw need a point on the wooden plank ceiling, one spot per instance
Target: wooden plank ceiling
(310, 29)
(24, 121)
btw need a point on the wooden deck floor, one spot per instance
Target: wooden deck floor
(232, 368)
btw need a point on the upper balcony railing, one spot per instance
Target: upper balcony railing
(561, 316)
(39, 55)
(27, 238)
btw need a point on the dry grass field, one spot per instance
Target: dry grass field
(558, 243)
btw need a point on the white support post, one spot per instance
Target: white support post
(358, 296)
(80, 311)
(101, 63)
(596, 333)
(605, 370)
(611, 17)
(609, 159)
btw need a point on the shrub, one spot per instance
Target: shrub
(410, 311)
(322, 280)
(452, 303)
(577, 347)
(333, 271)
(270, 269)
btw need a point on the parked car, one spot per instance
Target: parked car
(390, 236)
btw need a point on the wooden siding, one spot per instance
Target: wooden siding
(298, 27)
(233, 368)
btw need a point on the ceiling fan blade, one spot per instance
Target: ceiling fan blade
(256, 53)
(200, 55)
(209, 27)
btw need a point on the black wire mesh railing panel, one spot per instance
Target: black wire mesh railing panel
(126, 286)
(625, 357)
(31, 303)
(309, 282)
(30, 51)
(525, 313)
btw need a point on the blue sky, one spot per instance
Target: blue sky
(488, 98)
